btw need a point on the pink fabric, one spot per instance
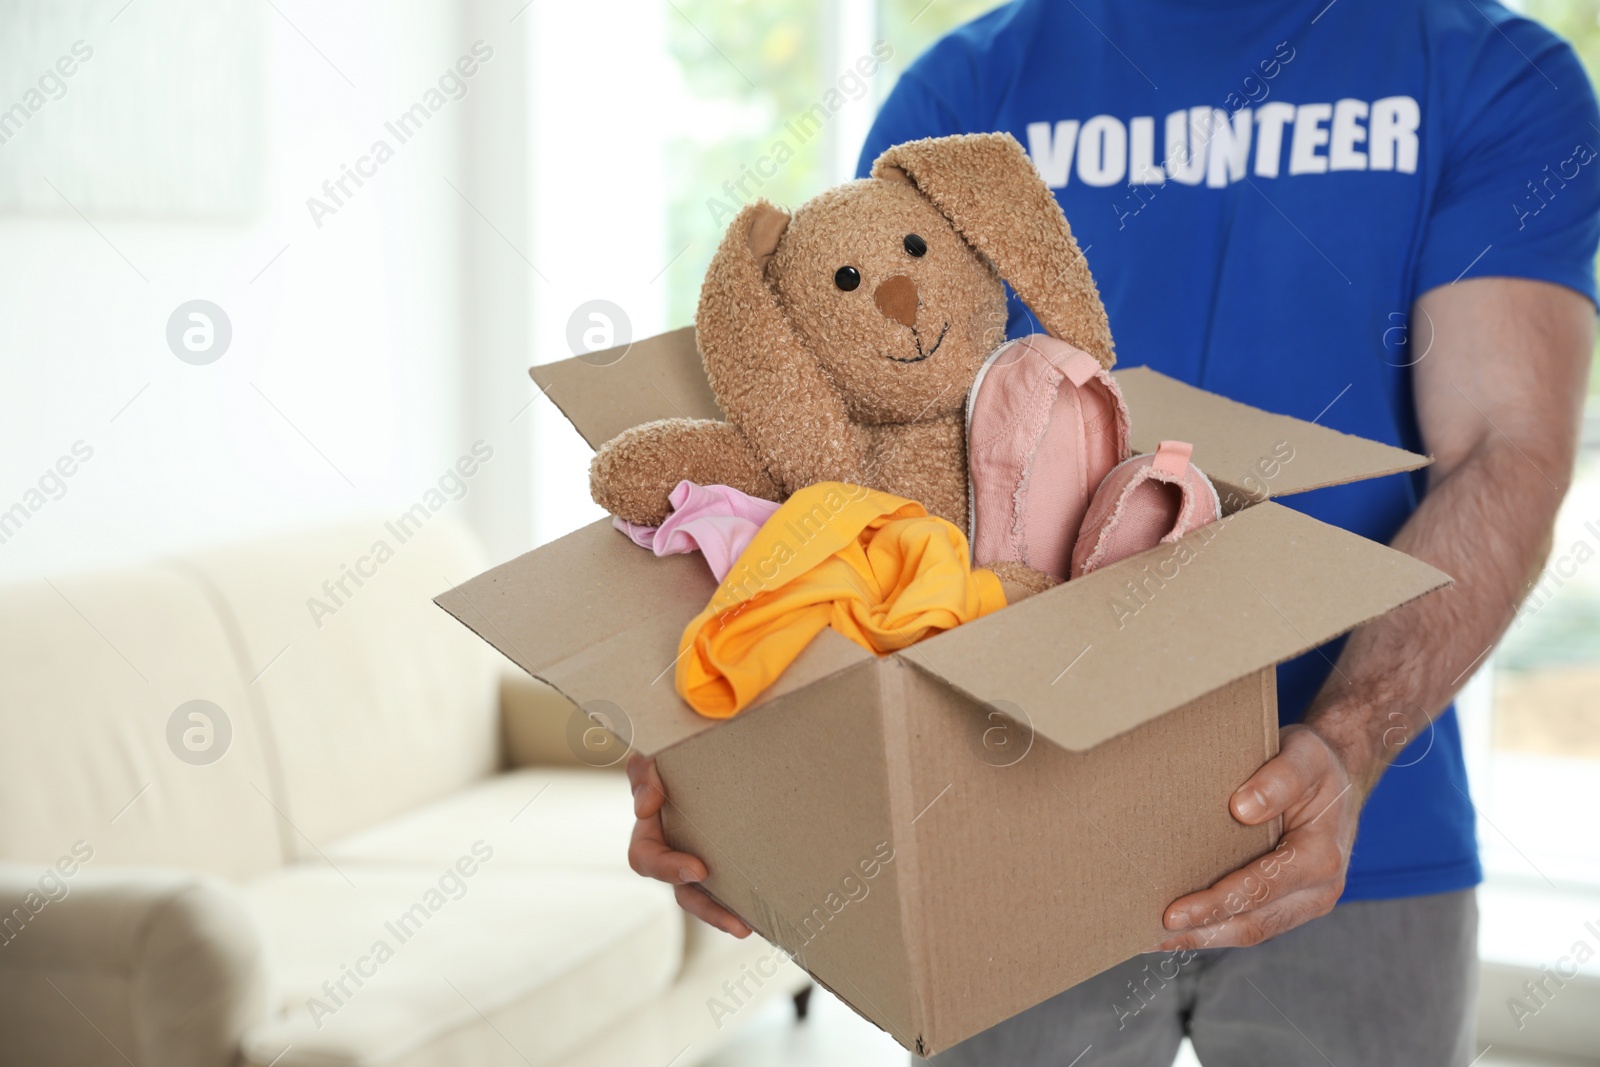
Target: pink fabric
(1045, 424)
(1172, 458)
(1147, 501)
(718, 521)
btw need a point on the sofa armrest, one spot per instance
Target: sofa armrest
(542, 728)
(125, 965)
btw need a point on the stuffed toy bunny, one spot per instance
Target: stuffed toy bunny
(841, 341)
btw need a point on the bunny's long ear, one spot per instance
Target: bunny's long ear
(987, 187)
(768, 383)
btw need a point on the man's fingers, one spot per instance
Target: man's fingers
(649, 855)
(1254, 927)
(635, 767)
(1287, 779)
(707, 910)
(1303, 860)
(1269, 792)
(649, 795)
(1299, 880)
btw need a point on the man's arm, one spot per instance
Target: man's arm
(1499, 396)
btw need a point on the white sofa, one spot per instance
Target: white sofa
(359, 878)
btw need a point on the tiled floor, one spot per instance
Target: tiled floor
(834, 1036)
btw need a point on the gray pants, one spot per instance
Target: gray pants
(1371, 983)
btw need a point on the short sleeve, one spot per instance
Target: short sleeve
(1519, 191)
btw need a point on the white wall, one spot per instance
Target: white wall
(346, 385)
(367, 353)
(600, 118)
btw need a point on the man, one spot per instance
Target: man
(1381, 215)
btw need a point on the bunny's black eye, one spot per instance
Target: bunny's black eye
(916, 245)
(847, 278)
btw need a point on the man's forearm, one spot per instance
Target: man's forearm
(1487, 524)
(1499, 389)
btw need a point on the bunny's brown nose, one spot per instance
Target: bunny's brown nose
(896, 297)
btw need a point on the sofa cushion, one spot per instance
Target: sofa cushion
(373, 699)
(93, 669)
(377, 961)
(537, 818)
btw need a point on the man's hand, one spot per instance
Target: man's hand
(1308, 785)
(649, 855)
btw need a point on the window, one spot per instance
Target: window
(790, 125)
(1537, 712)
(643, 155)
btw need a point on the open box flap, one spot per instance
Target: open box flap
(604, 393)
(1099, 655)
(599, 618)
(1251, 454)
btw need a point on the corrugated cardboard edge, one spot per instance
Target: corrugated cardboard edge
(1234, 442)
(461, 604)
(632, 597)
(1267, 541)
(552, 677)
(604, 393)
(1270, 734)
(1272, 746)
(451, 594)
(913, 923)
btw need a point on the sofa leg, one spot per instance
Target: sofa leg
(802, 1003)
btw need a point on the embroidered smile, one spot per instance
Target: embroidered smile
(921, 355)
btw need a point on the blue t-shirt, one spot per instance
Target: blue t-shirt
(1262, 190)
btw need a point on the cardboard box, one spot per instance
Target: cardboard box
(949, 835)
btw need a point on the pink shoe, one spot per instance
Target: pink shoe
(1150, 500)
(1045, 425)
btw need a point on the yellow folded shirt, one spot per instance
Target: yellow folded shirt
(877, 568)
